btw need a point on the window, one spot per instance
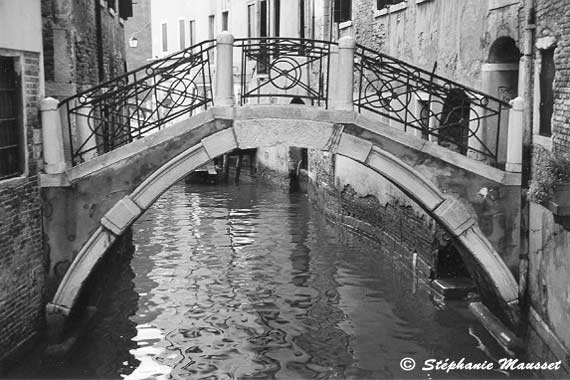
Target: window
(225, 20)
(182, 34)
(263, 57)
(381, 4)
(302, 18)
(342, 10)
(547, 72)
(111, 4)
(192, 31)
(211, 27)
(250, 20)
(125, 9)
(454, 128)
(164, 37)
(11, 154)
(277, 17)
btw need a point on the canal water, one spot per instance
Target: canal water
(246, 282)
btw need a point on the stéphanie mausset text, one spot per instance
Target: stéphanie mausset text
(505, 364)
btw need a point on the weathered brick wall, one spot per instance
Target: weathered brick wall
(22, 263)
(553, 20)
(388, 216)
(76, 55)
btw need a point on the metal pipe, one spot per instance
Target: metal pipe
(525, 91)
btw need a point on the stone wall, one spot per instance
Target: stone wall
(549, 237)
(22, 266)
(455, 34)
(553, 20)
(276, 164)
(357, 197)
(549, 288)
(84, 45)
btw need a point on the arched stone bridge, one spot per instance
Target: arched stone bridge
(88, 205)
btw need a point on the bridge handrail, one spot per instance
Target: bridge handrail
(133, 104)
(137, 102)
(388, 86)
(169, 57)
(435, 76)
(278, 59)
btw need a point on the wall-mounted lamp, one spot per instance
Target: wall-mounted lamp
(133, 42)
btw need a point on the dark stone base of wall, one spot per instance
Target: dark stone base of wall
(354, 214)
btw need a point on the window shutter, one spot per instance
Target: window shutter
(336, 11)
(125, 8)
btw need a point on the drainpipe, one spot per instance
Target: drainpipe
(99, 39)
(526, 92)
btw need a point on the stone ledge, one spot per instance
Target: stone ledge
(138, 146)
(54, 180)
(496, 4)
(549, 338)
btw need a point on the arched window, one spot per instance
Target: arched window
(454, 123)
(504, 50)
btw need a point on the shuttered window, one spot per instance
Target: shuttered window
(380, 4)
(125, 9)
(342, 10)
(11, 159)
(547, 74)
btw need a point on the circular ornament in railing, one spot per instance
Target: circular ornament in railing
(180, 92)
(284, 73)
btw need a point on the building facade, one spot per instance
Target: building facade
(84, 43)
(22, 266)
(547, 87)
(48, 48)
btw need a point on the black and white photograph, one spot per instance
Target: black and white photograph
(284, 189)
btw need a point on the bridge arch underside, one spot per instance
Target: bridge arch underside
(111, 191)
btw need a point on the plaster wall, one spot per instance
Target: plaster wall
(455, 34)
(21, 25)
(549, 268)
(139, 28)
(273, 164)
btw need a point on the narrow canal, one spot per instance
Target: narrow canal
(245, 282)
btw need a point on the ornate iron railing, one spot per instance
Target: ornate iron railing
(284, 68)
(139, 102)
(451, 114)
(293, 70)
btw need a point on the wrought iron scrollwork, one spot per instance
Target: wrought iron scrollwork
(156, 95)
(285, 67)
(444, 111)
(141, 101)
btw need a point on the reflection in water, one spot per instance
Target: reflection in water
(250, 283)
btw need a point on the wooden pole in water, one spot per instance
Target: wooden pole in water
(226, 166)
(238, 167)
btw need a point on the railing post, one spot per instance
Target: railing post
(52, 136)
(342, 97)
(515, 136)
(85, 134)
(224, 95)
